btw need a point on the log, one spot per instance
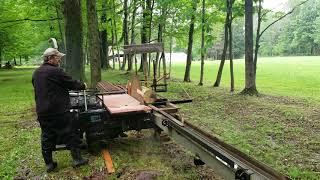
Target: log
(148, 95)
(141, 93)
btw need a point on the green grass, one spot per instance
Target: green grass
(286, 76)
(279, 128)
(279, 131)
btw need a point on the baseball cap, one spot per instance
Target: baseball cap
(51, 52)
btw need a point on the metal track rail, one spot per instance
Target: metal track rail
(226, 160)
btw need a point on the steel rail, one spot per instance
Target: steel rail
(229, 162)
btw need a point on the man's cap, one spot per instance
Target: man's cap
(51, 52)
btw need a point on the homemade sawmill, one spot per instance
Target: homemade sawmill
(110, 110)
(113, 109)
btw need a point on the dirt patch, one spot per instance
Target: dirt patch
(6, 79)
(185, 161)
(284, 100)
(147, 174)
(97, 175)
(27, 124)
(129, 174)
(23, 173)
(23, 113)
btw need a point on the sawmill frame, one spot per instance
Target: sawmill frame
(133, 50)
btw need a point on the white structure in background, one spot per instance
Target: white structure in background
(275, 5)
(178, 57)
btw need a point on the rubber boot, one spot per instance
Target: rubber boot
(50, 164)
(77, 159)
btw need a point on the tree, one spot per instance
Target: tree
(133, 35)
(250, 78)
(115, 33)
(225, 46)
(146, 18)
(125, 30)
(74, 39)
(202, 41)
(231, 44)
(259, 34)
(190, 42)
(104, 37)
(161, 29)
(94, 43)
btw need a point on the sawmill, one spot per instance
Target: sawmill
(111, 109)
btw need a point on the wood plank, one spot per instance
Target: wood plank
(108, 161)
(143, 48)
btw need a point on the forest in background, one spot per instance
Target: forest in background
(25, 27)
(279, 127)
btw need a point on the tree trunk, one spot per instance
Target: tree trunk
(202, 41)
(161, 27)
(160, 34)
(62, 43)
(133, 21)
(250, 80)
(0, 57)
(150, 7)
(112, 48)
(104, 38)
(86, 54)
(190, 43)
(26, 58)
(125, 32)
(73, 34)
(94, 43)
(171, 43)
(14, 61)
(115, 31)
(230, 46)
(144, 33)
(20, 60)
(257, 45)
(225, 47)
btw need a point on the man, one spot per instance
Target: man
(51, 86)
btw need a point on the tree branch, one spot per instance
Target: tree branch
(283, 16)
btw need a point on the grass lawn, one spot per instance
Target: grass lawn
(279, 128)
(285, 76)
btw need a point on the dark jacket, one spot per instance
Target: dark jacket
(51, 87)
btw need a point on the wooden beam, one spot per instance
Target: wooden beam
(143, 48)
(108, 161)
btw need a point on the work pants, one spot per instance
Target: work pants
(58, 129)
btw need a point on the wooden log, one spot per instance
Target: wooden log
(141, 93)
(149, 96)
(133, 87)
